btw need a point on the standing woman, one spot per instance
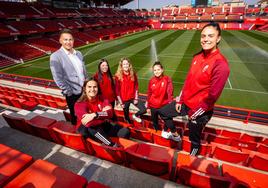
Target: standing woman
(94, 115)
(127, 89)
(160, 97)
(205, 81)
(105, 81)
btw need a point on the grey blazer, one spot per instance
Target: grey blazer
(64, 73)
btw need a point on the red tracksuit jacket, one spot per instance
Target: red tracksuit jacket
(126, 89)
(107, 90)
(87, 107)
(205, 82)
(160, 92)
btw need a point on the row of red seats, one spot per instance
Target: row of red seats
(236, 144)
(152, 159)
(18, 169)
(217, 17)
(37, 10)
(24, 27)
(21, 51)
(29, 100)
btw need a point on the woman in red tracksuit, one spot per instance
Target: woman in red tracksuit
(105, 81)
(160, 96)
(94, 114)
(127, 89)
(205, 81)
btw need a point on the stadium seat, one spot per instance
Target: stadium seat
(150, 159)
(263, 148)
(265, 141)
(12, 162)
(94, 184)
(195, 178)
(43, 174)
(205, 148)
(246, 176)
(200, 164)
(230, 134)
(243, 144)
(158, 139)
(230, 155)
(113, 154)
(42, 127)
(141, 133)
(248, 138)
(259, 162)
(65, 134)
(218, 139)
(18, 123)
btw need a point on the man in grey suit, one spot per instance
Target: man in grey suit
(68, 70)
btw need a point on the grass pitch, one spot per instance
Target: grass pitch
(246, 51)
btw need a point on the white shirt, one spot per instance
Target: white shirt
(78, 65)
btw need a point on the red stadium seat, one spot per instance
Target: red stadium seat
(94, 184)
(65, 134)
(158, 139)
(245, 176)
(113, 154)
(42, 127)
(200, 164)
(151, 159)
(12, 162)
(195, 178)
(18, 123)
(259, 162)
(218, 139)
(43, 174)
(230, 155)
(141, 133)
(263, 148)
(248, 138)
(204, 150)
(265, 141)
(230, 134)
(243, 144)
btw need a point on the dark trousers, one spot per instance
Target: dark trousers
(165, 113)
(140, 106)
(195, 126)
(195, 131)
(71, 100)
(103, 131)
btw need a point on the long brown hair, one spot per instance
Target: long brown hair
(84, 95)
(119, 72)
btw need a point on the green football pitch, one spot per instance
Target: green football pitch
(246, 51)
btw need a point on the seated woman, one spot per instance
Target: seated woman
(94, 114)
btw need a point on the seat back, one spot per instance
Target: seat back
(230, 156)
(66, 135)
(17, 123)
(113, 154)
(248, 177)
(194, 178)
(259, 163)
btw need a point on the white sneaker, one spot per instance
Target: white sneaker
(175, 138)
(136, 118)
(166, 135)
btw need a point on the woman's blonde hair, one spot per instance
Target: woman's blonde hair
(119, 72)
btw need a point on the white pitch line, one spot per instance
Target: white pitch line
(91, 49)
(249, 91)
(231, 87)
